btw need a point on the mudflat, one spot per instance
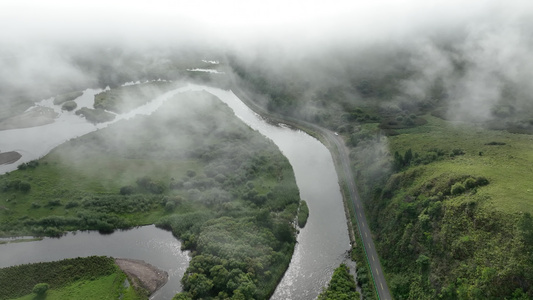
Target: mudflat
(36, 116)
(143, 274)
(9, 157)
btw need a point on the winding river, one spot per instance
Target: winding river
(322, 245)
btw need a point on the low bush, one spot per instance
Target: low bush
(69, 106)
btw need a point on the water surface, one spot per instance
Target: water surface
(322, 245)
(153, 245)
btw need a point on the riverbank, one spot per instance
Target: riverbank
(142, 274)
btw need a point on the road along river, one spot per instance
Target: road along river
(324, 242)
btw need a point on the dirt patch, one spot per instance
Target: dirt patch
(9, 157)
(36, 116)
(142, 274)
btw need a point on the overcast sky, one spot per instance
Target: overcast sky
(39, 38)
(241, 21)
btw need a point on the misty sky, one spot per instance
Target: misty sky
(39, 39)
(241, 21)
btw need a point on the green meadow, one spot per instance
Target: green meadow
(94, 277)
(451, 211)
(106, 288)
(505, 159)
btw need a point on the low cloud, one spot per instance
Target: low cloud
(476, 50)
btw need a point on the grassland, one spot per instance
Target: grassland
(451, 212)
(507, 163)
(80, 278)
(106, 287)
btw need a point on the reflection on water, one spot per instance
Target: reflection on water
(153, 245)
(324, 242)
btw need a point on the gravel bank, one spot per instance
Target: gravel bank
(143, 274)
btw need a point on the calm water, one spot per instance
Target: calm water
(322, 245)
(153, 245)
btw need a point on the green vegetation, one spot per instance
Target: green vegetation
(95, 115)
(341, 287)
(77, 278)
(222, 188)
(69, 106)
(125, 98)
(454, 203)
(303, 214)
(364, 275)
(40, 289)
(105, 287)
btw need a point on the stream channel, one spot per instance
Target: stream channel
(322, 245)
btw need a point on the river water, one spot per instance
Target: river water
(153, 245)
(322, 245)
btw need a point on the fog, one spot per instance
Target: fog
(472, 60)
(476, 50)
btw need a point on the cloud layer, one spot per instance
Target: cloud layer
(45, 44)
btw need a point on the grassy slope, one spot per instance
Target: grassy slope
(469, 245)
(508, 167)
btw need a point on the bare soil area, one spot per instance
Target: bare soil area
(9, 157)
(35, 117)
(142, 274)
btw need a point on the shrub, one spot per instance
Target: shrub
(69, 106)
(481, 181)
(495, 144)
(71, 204)
(170, 205)
(148, 185)
(470, 183)
(457, 189)
(409, 122)
(31, 164)
(303, 214)
(95, 115)
(127, 190)
(24, 186)
(40, 288)
(55, 202)
(457, 152)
